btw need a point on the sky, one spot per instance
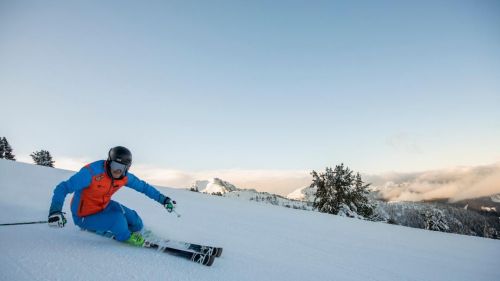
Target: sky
(259, 93)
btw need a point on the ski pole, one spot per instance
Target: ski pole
(19, 223)
(178, 215)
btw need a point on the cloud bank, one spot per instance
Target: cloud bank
(454, 184)
(275, 181)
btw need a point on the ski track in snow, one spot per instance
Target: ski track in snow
(261, 242)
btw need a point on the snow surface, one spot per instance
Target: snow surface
(261, 241)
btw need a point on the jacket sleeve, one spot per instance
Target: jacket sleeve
(78, 181)
(141, 186)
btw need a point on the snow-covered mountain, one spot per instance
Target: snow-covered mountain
(223, 188)
(306, 194)
(268, 198)
(261, 241)
(214, 186)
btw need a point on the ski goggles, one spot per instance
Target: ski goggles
(115, 166)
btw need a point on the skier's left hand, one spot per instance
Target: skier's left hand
(169, 204)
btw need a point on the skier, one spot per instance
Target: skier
(91, 205)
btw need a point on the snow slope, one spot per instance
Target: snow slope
(261, 241)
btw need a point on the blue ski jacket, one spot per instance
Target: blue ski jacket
(93, 188)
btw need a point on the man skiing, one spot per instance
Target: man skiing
(91, 205)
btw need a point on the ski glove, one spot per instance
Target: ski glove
(57, 219)
(169, 204)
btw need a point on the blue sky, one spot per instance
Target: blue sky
(199, 86)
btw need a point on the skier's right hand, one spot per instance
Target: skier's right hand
(57, 219)
(169, 204)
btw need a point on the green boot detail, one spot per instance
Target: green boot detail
(135, 239)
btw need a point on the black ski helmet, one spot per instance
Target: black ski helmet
(121, 155)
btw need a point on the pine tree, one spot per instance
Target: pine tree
(339, 192)
(7, 150)
(2, 148)
(333, 189)
(42, 158)
(434, 219)
(323, 201)
(363, 204)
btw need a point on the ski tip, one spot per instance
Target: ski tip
(203, 259)
(209, 261)
(218, 252)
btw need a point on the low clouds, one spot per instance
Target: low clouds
(275, 181)
(454, 184)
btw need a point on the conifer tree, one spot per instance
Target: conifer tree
(364, 206)
(7, 150)
(2, 148)
(434, 219)
(339, 192)
(323, 201)
(42, 158)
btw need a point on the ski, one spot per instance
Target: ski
(202, 249)
(204, 259)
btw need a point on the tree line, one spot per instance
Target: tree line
(40, 157)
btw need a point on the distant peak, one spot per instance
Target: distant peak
(303, 194)
(215, 185)
(496, 198)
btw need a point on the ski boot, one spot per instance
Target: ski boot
(135, 239)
